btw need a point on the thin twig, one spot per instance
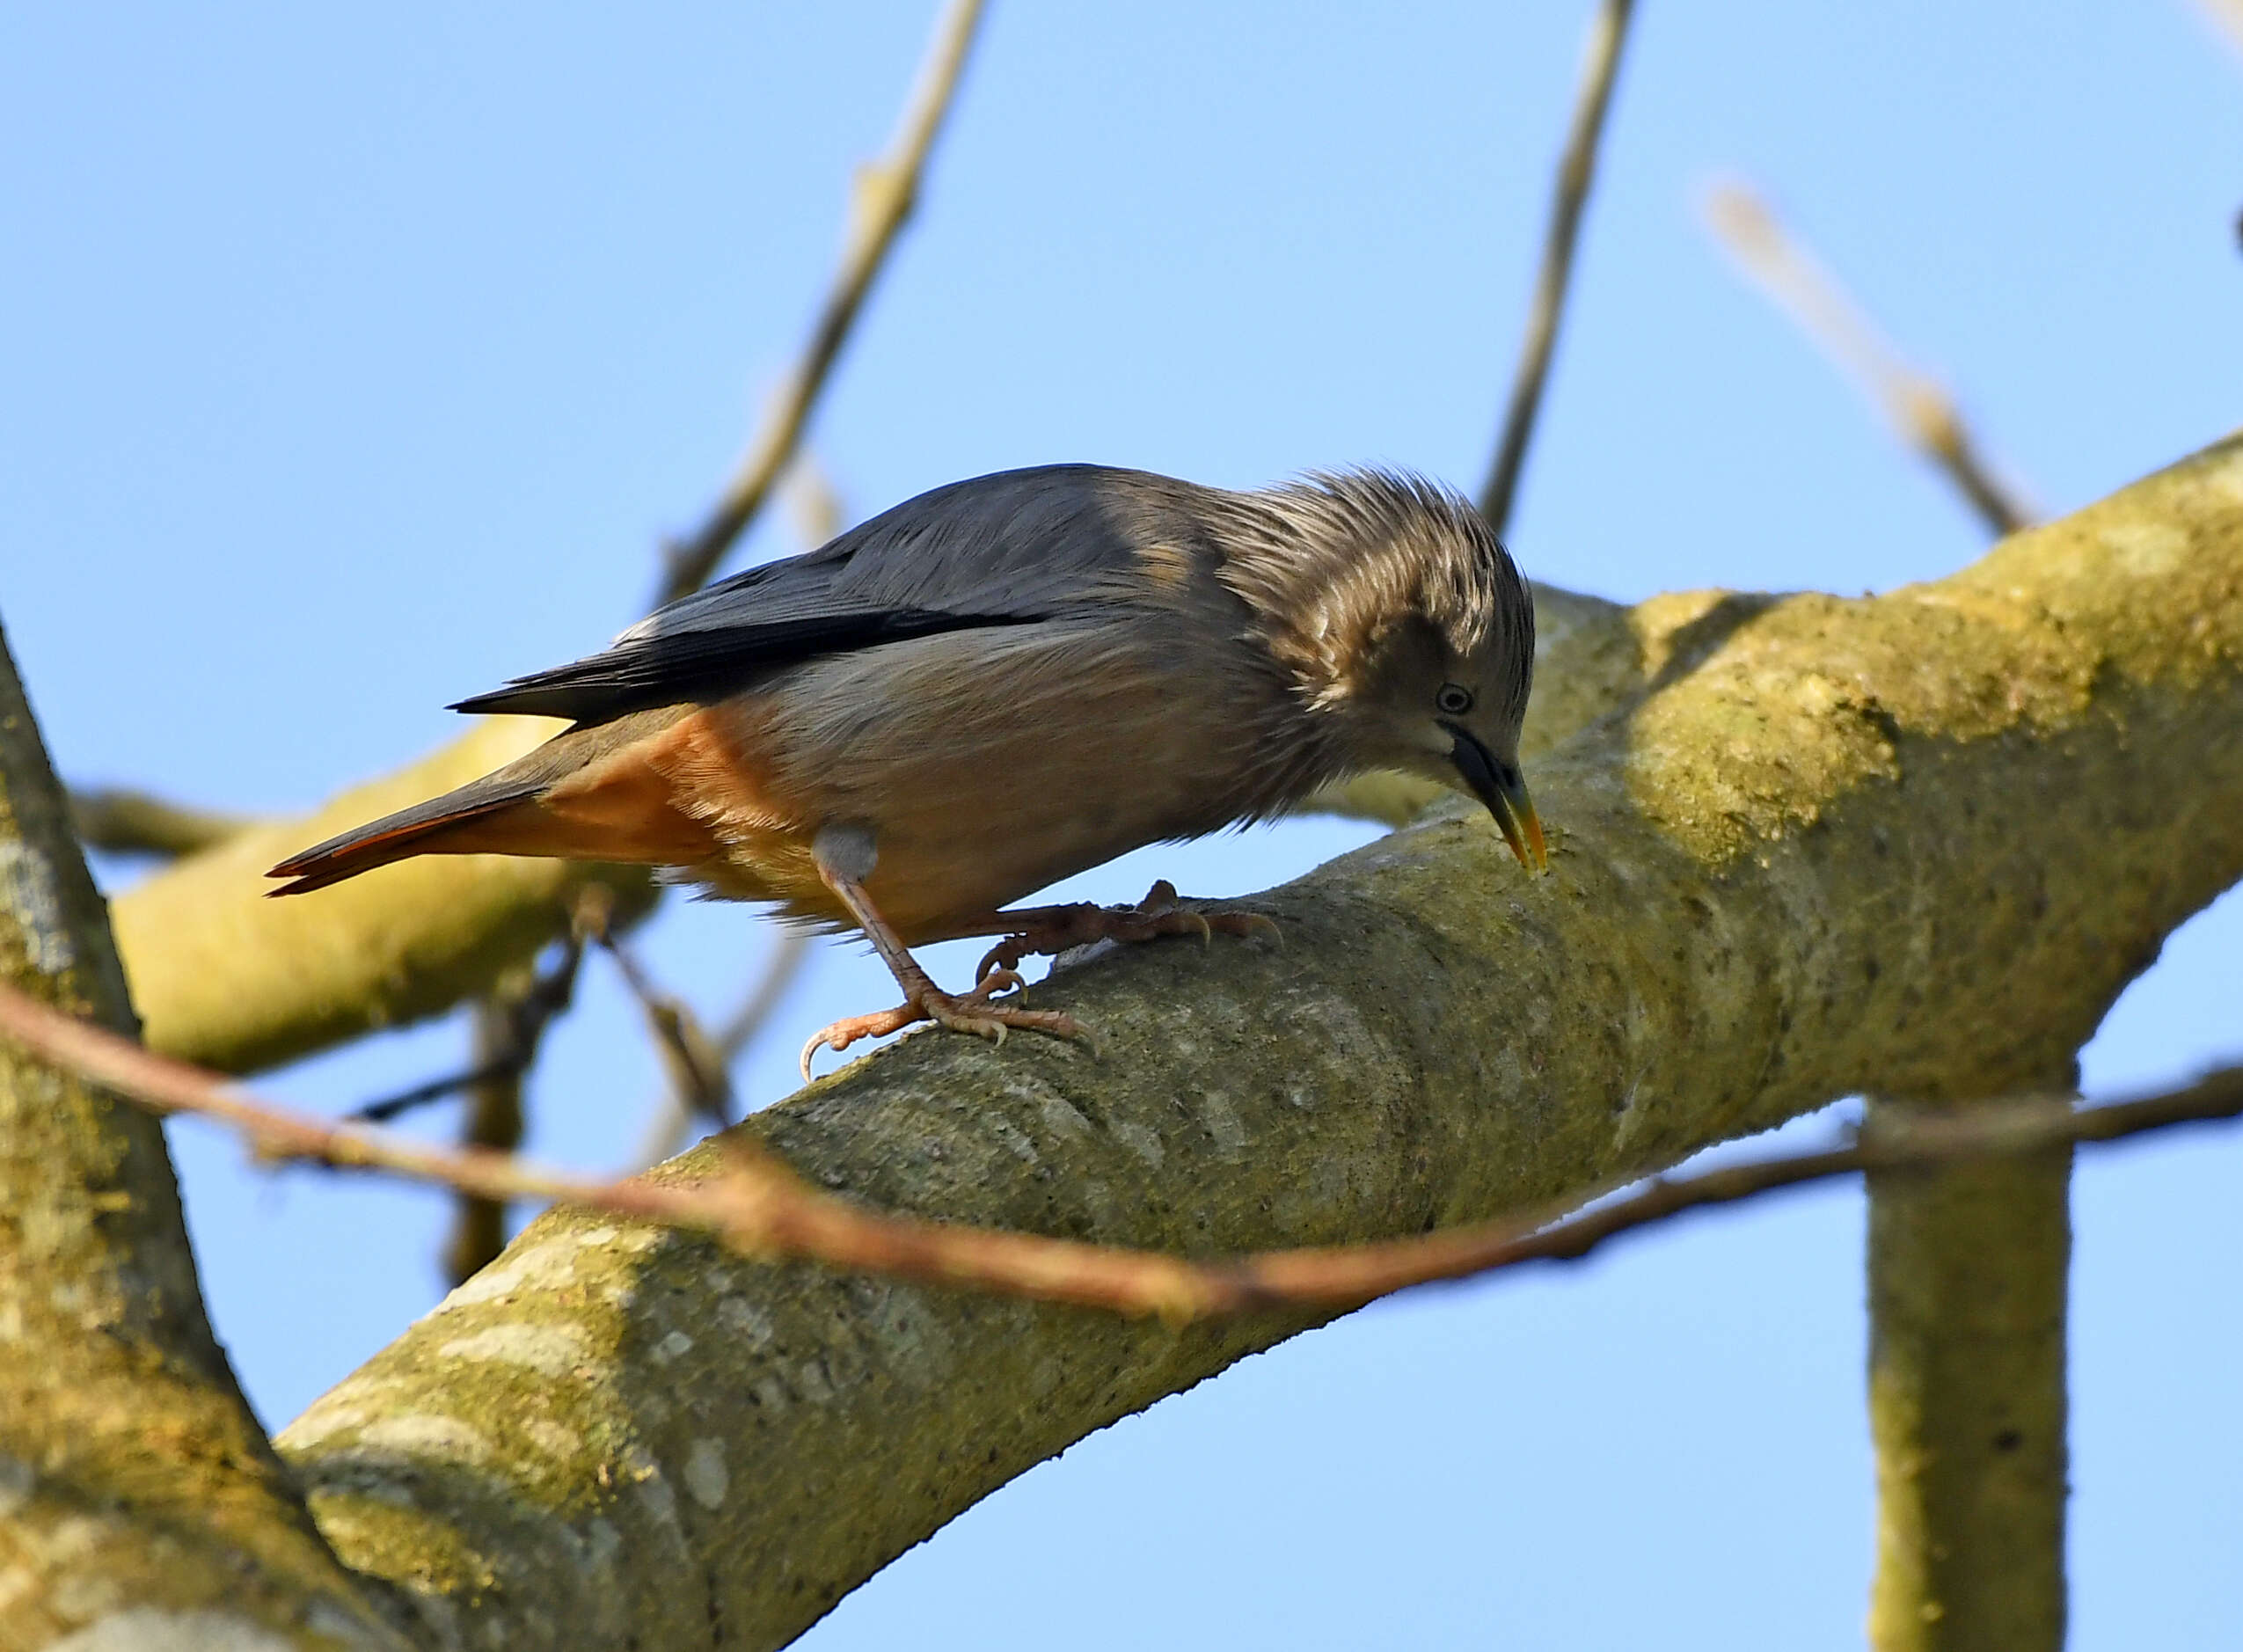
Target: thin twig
(813, 505)
(671, 1116)
(760, 1207)
(691, 1058)
(494, 1121)
(882, 198)
(788, 954)
(130, 823)
(1576, 171)
(496, 1060)
(1919, 406)
(2226, 16)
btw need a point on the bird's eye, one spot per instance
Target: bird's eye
(1453, 700)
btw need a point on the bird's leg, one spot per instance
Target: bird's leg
(1056, 929)
(844, 859)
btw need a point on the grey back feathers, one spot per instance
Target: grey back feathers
(1310, 571)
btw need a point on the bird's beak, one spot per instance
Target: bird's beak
(1504, 792)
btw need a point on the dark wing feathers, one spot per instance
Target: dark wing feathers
(1005, 550)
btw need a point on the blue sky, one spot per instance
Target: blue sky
(356, 360)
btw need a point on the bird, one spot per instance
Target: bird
(1002, 682)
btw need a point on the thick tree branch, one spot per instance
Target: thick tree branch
(224, 977)
(1911, 846)
(138, 1497)
(1968, 1270)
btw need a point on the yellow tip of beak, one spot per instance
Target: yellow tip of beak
(1536, 846)
(1522, 829)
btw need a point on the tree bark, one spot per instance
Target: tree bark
(138, 1497)
(1911, 846)
(1968, 1271)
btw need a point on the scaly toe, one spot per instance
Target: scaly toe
(845, 1031)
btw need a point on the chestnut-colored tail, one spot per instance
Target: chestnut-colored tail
(600, 792)
(461, 822)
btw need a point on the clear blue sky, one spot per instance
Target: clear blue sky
(355, 359)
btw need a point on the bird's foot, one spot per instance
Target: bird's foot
(961, 1011)
(1059, 929)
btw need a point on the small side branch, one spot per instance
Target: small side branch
(672, 1115)
(125, 822)
(1919, 406)
(494, 1121)
(1576, 171)
(509, 1029)
(692, 1061)
(885, 192)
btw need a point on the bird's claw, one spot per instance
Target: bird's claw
(971, 1012)
(1161, 913)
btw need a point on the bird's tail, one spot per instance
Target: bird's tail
(601, 792)
(468, 821)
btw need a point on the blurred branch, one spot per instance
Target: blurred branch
(690, 1059)
(813, 505)
(672, 1115)
(508, 1025)
(493, 1124)
(125, 822)
(762, 1209)
(1576, 171)
(880, 202)
(2226, 16)
(224, 977)
(1919, 406)
(516, 1021)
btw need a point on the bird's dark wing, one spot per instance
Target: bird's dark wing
(1005, 550)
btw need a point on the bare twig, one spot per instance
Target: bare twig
(1919, 406)
(814, 506)
(493, 1123)
(510, 1050)
(760, 1207)
(788, 954)
(672, 1115)
(129, 823)
(881, 202)
(691, 1058)
(2226, 16)
(1576, 171)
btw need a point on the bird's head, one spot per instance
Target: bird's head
(1407, 629)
